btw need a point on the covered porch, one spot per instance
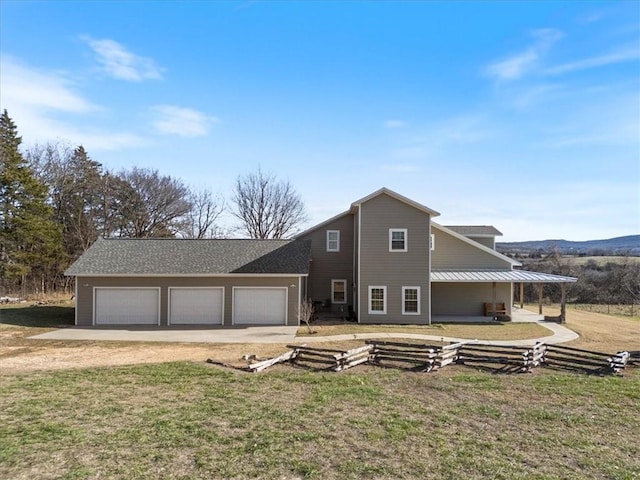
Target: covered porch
(473, 292)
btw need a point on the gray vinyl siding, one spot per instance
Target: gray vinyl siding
(326, 266)
(380, 267)
(85, 286)
(467, 298)
(452, 253)
(486, 241)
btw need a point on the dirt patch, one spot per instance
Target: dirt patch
(20, 355)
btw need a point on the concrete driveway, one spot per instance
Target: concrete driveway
(273, 334)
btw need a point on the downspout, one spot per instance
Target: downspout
(299, 297)
(359, 263)
(429, 279)
(75, 296)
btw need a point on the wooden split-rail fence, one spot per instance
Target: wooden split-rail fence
(427, 358)
(412, 356)
(571, 358)
(502, 357)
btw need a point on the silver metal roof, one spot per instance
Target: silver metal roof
(508, 276)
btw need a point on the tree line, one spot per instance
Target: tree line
(56, 201)
(598, 282)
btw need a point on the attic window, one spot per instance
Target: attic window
(397, 239)
(432, 242)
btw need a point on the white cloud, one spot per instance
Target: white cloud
(395, 124)
(513, 67)
(29, 87)
(181, 121)
(627, 54)
(46, 106)
(122, 64)
(522, 63)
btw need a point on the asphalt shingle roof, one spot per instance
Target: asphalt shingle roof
(195, 257)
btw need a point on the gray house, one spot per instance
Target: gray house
(384, 260)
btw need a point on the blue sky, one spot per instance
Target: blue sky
(523, 115)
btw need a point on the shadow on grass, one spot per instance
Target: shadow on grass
(46, 316)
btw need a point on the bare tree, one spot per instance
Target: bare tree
(206, 208)
(267, 207)
(306, 311)
(151, 205)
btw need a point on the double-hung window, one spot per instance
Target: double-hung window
(397, 239)
(378, 300)
(338, 291)
(411, 300)
(333, 240)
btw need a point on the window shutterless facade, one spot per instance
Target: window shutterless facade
(411, 300)
(338, 291)
(378, 300)
(333, 240)
(397, 239)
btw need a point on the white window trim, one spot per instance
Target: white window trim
(404, 312)
(337, 249)
(384, 300)
(432, 240)
(333, 282)
(406, 239)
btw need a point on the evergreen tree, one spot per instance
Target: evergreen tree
(30, 240)
(78, 202)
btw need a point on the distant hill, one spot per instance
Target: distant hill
(629, 244)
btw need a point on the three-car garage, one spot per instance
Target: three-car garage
(183, 283)
(190, 305)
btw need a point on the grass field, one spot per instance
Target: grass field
(600, 260)
(190, 420)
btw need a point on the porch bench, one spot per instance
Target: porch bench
(500, 309)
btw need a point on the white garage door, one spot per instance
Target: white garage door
(127, 306)
(195, 306)
(259, 306)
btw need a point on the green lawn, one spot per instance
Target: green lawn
(194, 421)
(41, 316)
